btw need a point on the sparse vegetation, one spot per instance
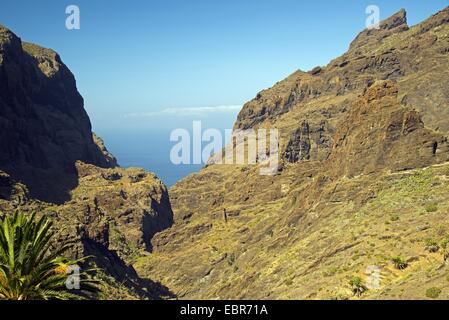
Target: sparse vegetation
(231, 259)
(419, 182)
(394, 218)
(330, 272)
(446, 256)
(433, 293)
(444, 246)
(120, 245)
(431, 207)
(445, 242)
(288, 282)
(35, 50)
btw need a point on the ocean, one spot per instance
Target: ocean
(143, 141)
(148, 149)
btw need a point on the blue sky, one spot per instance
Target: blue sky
(146, 67)
(136, 61)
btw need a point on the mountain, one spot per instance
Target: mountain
(363, 183)
(52, 163)
(360, 194)
(44, 126)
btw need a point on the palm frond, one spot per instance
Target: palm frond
(30, 268)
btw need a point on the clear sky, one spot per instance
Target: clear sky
(139, 60)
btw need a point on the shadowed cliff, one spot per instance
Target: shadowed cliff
(44, 127)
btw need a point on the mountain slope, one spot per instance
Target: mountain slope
(363, 179)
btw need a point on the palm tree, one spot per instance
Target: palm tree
(30, 269)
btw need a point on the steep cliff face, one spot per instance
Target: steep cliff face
(363, 179)
(52, 163)
(44, 126)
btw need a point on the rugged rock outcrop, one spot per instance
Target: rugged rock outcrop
(118, 209)
(386, 135)
(364, 179)
(394, 24)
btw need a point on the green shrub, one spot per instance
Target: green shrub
(399, 263)
(432, 207)
(231, 259)
(445, 242)
(432, 246)
(433, 293)
(394, 218)
(357, 285)
(288, 282)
